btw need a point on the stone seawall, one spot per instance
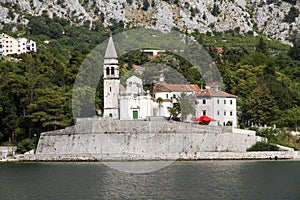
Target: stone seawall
(104, 139)
(262, 155)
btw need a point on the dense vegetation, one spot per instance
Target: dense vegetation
(36, 88)
(263, 146)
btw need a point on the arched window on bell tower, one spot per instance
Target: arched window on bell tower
(112, 71)
(107, 70)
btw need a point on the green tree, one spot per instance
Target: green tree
(295, 50)
(262, 46)
(146, 5)
(83, 98)
(215, 11)
(187, 105)
(49, 108)
(174, 111)
(292, 117)
(292, 14)
(25, 145)
(261, 106)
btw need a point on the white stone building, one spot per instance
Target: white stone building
(26, 46)
(218, 105)
(10, 45)
(169, 93)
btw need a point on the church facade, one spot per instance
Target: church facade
(135, 103)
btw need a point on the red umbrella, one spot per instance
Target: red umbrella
(204, 118)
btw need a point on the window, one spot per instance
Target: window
(218, 113)
(110, 89)
(167, 96)
(204, 101)
(224, 113)
(230, 102)
(112, 71)
(203, 112)
(224, 101)
(218, 101)
(107, 71)
(110, 115)
(174, 95)
(230, 113)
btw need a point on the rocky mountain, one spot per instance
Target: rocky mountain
(274, 18)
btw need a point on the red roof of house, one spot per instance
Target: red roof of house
(220, 50)
(163, 87)
(134, 66)
(157, 55)
(214, 93)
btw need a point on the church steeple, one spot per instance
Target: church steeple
(110, 50)
(111, 81)
(111, 67)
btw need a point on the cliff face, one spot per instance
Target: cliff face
(273, 18)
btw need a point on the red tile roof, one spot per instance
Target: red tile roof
(163, 87)
(220, 50)
(157, 55)
(214, 93)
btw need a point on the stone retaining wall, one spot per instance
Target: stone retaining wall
(107, 139)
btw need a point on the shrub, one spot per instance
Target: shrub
(292, 14)
(25, 145)
(263, 146)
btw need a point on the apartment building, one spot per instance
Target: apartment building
(10, 45)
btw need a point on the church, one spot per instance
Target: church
(131, 102)
(123, 103)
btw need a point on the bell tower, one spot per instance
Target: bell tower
(111, 82)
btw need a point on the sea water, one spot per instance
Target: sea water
(241, 180)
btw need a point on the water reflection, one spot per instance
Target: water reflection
(181, 180)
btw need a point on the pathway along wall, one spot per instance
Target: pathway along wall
(107, 139)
